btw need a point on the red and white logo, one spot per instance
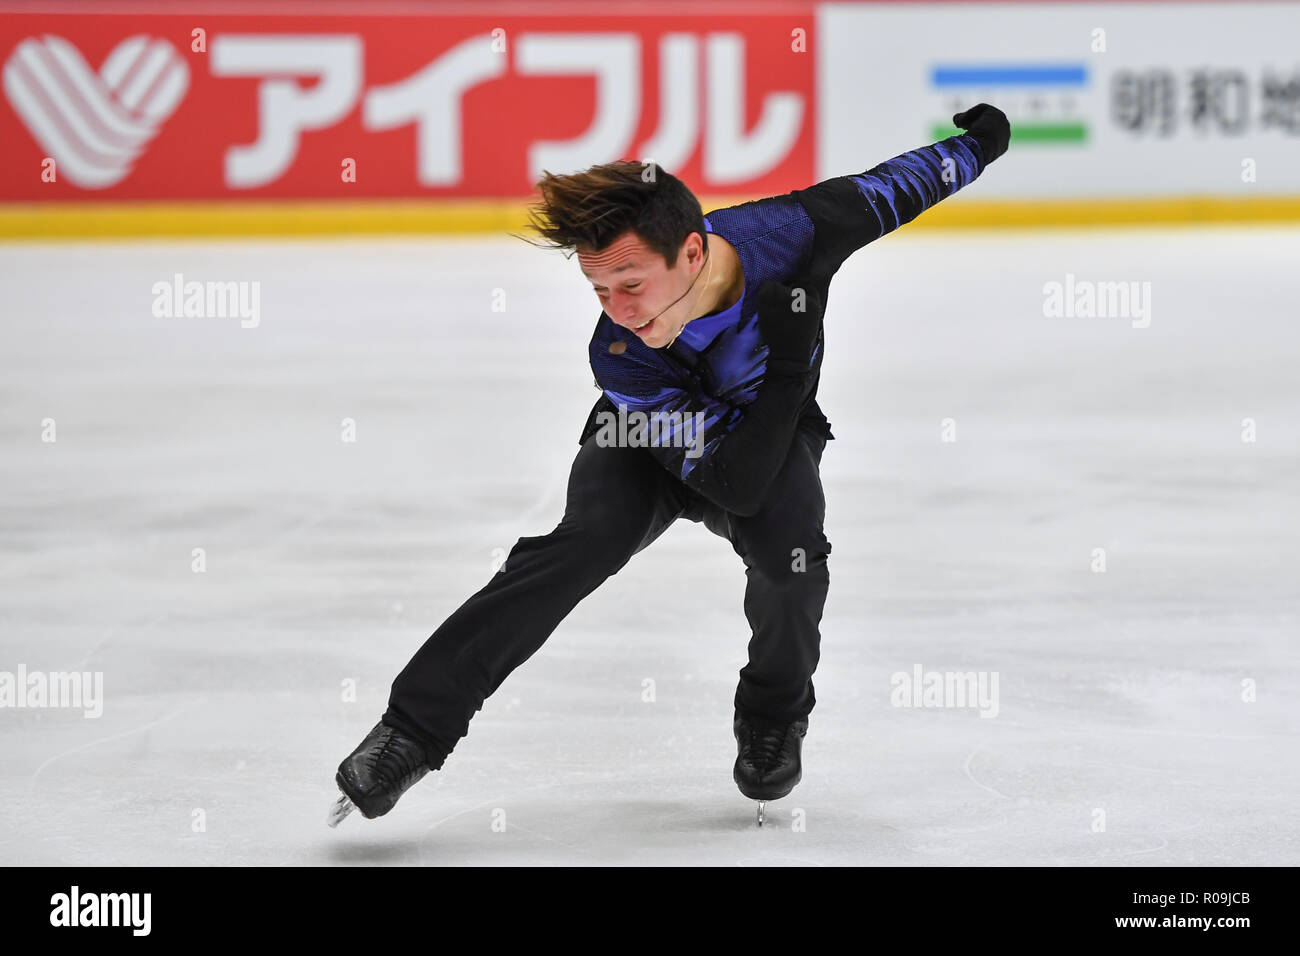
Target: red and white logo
(371, 106)
(95, 125)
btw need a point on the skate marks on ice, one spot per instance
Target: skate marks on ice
(78, 748)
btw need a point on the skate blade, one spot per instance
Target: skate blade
(342, 807)
(760, 812)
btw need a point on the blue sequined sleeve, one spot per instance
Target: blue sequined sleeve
(850, 211)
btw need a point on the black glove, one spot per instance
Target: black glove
(789, 318)
(989, 126)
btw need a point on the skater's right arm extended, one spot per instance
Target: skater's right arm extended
(848, 212)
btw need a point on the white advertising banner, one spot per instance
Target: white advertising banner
(1105, 99)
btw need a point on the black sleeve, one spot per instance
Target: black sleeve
(850, 211)
(732, 468)
(745, 462)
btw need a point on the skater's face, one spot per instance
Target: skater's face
(638, 290)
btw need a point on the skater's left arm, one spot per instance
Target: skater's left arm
(850, 211)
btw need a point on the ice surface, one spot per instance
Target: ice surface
(329, 561)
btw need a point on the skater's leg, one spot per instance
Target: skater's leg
(619, 500)
(785, 554)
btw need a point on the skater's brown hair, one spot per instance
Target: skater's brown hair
(587, 211)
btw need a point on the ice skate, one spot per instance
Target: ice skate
(768, 761)
(375, 775)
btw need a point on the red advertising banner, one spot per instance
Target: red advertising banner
(188, 106)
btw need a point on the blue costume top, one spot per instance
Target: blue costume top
(716, 365)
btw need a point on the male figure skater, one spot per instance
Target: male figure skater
(711, 328)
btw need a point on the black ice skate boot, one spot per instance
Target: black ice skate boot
(382, 768)
(768, 760)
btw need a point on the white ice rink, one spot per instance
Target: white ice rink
(1120, 693)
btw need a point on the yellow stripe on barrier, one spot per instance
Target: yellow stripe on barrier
(496, 217)
(242, 218)
(1084, 213)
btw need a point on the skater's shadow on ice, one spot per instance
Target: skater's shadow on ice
(398, 849)
(577, 828)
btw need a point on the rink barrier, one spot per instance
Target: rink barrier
(496, 217)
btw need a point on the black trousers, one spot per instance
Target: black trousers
(620, 500)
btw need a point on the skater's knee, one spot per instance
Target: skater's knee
(587, 542)
(607, 548)
(793, 566)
